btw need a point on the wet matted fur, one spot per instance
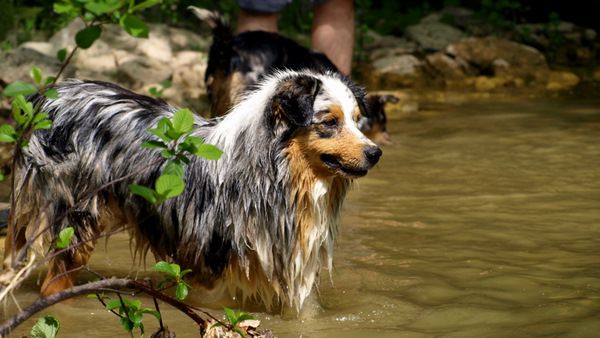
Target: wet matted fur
(258, 223)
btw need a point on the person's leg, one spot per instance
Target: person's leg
(259, 15)
(254, 21)
(333, 32)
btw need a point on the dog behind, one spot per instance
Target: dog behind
(257, 224)
(237, 62)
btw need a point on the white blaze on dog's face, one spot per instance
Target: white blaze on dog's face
(327, 136)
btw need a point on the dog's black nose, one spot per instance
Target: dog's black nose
(373, 154)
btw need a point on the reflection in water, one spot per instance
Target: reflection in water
(482, 220)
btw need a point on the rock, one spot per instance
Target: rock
(456, 16)
(561, 80)
(494, 56)
(596, 75)
(433, 35)
(65, 38)
(590, 34)
(17, 63)
(188, 81)
(397, 71)
(447, 67)
(45, 48)
(486, 83)
(181, 39)
(140, 71)
(156, 46)
(116, 38)
(401, 47)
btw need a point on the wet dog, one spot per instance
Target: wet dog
(259, 223)
(237, 62)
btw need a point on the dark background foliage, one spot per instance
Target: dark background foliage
(23, 20)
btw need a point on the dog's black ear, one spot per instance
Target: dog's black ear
(295, 98)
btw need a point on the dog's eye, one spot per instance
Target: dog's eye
(330, 123)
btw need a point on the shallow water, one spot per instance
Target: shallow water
(482, 220)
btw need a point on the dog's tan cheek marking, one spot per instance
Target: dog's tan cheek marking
(344, 144)
(303, 178)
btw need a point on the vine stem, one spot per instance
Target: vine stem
(105, 285)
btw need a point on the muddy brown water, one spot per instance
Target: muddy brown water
(482, 220)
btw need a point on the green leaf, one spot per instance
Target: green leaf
(64, 238)
(61, 55)
(136, 316)
(19, 88)
(102, 6)
(46, 327)
(113, 304)
(51, 93)
(144, 5)
(154, 92)
(245, 316)
(185, 272)
(7, 133)
(181, 291)
(65, 8)
(152, 312)
(161, 129)
(25, 106)
(127, 324)
(36, 74)
(49, 80)
(39, 117)
(164, 267)
(173, 168)
(230, 314)
(2, 176)
(167, 153)
(168, 186)
(209, 152)
(148, 193)
(166, 83)
(44, 124)
(183, 121)
(86, 37)
(134, 26)
(152, 144)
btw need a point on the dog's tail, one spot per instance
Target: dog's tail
(222, 32)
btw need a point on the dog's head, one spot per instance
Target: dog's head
(374, 122)
(318, 116)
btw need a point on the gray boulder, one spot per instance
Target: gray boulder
(433, 35)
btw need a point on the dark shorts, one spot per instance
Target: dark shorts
(270, 6)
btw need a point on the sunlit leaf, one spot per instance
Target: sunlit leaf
(46, 327)
(51, 93)
(208, 151)
(169, 186)
(134, 26)
(164, 267)
(100, 7)
(183, 121)
(145, 192)
(7, 133)
(173, 168)
(64, 237)
(19, 88)
(181, 291)
(36, 74)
